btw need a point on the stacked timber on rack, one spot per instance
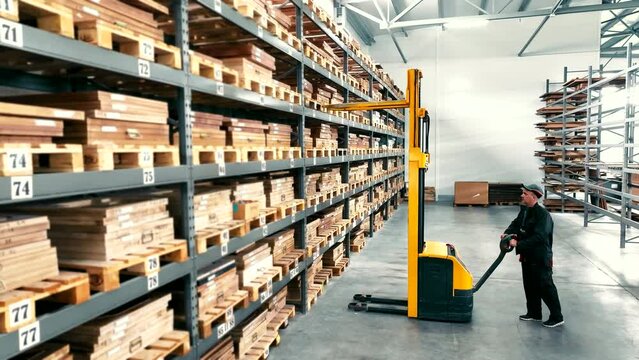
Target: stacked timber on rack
(27, 134)
(245, 133)
(254, 66)
(207, 129)
(253, 338)
(311, 186)
(358, 205)
(278, 311)
(105, 228)
(47, 351)
(334, 259)
(256, 271)
(325, 95)
(324, 136)
(23, 238)
(279, 135)
(356, 141)
(122, 334)
(248, 199)
(117, 127)
(358, 237)
(282, 247)
(279, 189)
(358, 174)
(378, 167)
(223, 350)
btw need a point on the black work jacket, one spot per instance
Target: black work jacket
(533, 227)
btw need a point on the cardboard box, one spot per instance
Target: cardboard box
(471, 193)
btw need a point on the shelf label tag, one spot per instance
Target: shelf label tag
(314, 113)
(314, 161)
(148, 176)
(265, 230)
(313, 16)
(29, 336)
(21, 312)
(11, 33)
(263, 165)
(217, 6)
(221, 169)
(21, 187)
(144, 68)
(219, 89)
(6, 6)
(294, 272)
(315, 207)
(18, 159)
(148, 49)
(224, 249)
(293, 217)
(146, 158)
(153, 264)
(262, 219)
(313, 65)
(225, 235)
(217, 75)
(153, 281)
(260, 32)
(290, 107)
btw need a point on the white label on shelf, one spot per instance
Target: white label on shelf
(225, 235)
(221, 169)
(221, 330)
(265, 230)
(330, 77)
(315, 255)
(219, 89)
(262, 97)
(144, 68)
(224, 249)
(292, 161)
(315, 208)
(18, 159)
(289, 51)
(91, 11)
(290, 107)
(260, 32)
(11, 33)
(263, 165)
(21, 187)
(153, 281)
(6, 6)
(313, 65)
(47, 123)
(330, 201)
(294, 272)
(314, 113)
(262, 219)
(313, 16)
(331, 242)
(269, 284)
(113, 115)
(343, 158)
(330, 159)
(153, 263)
(148, 176)
(267, 352)
(314, 161)
(146, 158)
(217, 6)
(20, 312)
(148, 49)
(263, 296)
(229, 313)
(217, 75)
(330, 117)
(29, 336)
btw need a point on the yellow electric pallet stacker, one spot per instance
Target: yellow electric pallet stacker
(440, 287)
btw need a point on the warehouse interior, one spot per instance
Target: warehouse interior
(345, 179)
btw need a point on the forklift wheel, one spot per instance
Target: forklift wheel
(356, 306)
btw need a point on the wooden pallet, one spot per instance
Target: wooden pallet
(320, 152)
(267, 216)
(105, 275)
(290, 260)
(258, 86)
(317, 288)
(215, 155)
(358, 246)
(222, 312)
(314, 105)
(339, 267)
(175, 343)
(110, 157)
(257, 154)
(289, 208)
(110, 36)
(249, 10)
(313, 200)
(260, 287)
(218, 234)
(286, 153)
(27, 159)
(204, 67)
(17, 307)
(47, 15)
(323, 276)
(261, 349)
(280, 321)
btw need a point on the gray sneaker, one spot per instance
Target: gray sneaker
(529, 318)
(550, 323)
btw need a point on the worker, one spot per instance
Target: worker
(532, 230)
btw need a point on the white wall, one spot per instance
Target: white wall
(482, 97)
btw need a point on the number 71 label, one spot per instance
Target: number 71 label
(10, 33)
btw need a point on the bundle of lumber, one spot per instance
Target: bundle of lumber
(110, 118)
(47, 351)
(279, 135)
(325, 93)
(328, 218)
(23, 238)
(308, 139)
(281, 243)
(311, 181)
(358, 141)
(245, 133)
(329, 180)
(207, 129)
(215, 283)
(211, 205)
(30, 124)
(560, 125)
(252, 261)
(357, 204)
(378, 167)
(248, 197)
(379, 193)
(105, 228)
(223, 350)
(279, 189)
(249, 333)
(358, 173)
(251, 62)
(311, 229)
(275, 304)
(324, 136)
(333, 255)
(122, 333)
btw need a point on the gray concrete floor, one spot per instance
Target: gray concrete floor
(598, 285)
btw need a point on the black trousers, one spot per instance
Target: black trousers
(538, 286)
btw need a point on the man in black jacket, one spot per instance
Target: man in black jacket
(533, 230)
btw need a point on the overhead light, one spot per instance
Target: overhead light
(466, 24)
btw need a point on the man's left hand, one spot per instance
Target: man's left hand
(512, 243)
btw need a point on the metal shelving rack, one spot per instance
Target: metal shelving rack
(51, 186)
(611, 161)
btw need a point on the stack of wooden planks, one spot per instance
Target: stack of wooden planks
(358, 173)
(357, 204)
(252, 63)
(311, 229)
(248, 198)
(358, 141)
(327, 95)
(329, 180)
(110, 118)
(324, 136)
(378, 167)
(207, 129)
(30, 124)
(212, 205)
(122, 333)
(281, 243)
(311, 184)
(23, 238)
(215, 283)
(279, 189)
(252, 261)
(47, 351)
(279, 135)
(333, 255)
(245, 133)
(275, 304)
(247, 334)
(328, 218)
(223, 350)
(105, 228)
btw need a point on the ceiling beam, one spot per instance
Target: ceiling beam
(440, 8)
(399, 49)
(543, 22)
(524, 5)
(482, 5)
(397, 11)
(360, 28)
(616, 18)
(476, 7)
(505, 6)
(365, 14)
(532, 13)
(410, 7)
